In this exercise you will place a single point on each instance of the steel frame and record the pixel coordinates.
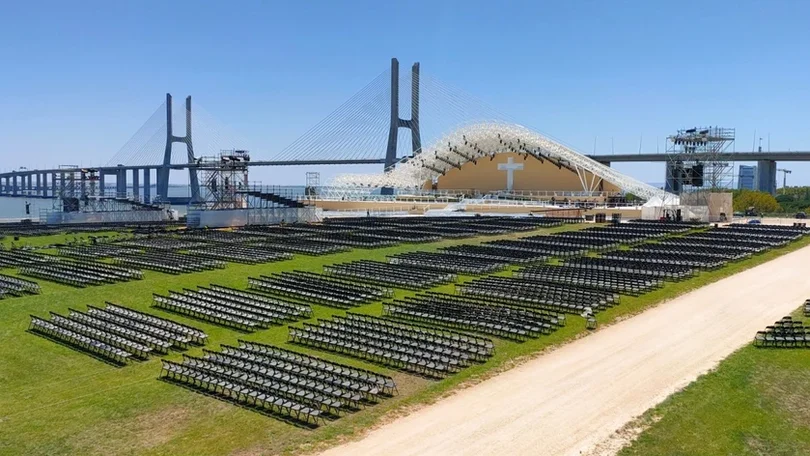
(485, 140)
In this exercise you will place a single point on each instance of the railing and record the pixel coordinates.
(559, 205)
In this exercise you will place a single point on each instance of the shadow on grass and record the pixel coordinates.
(303, 424)
(97, 356)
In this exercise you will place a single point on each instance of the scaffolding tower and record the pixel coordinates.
(224, 181)
(699, 173)
(696, 162)
(313, 184)
(77, 188)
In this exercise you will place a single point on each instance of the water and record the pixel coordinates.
(14, 208)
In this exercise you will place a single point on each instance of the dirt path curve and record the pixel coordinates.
(573, 398)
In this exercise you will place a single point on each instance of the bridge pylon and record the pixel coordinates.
(397, 122)
(163, 172)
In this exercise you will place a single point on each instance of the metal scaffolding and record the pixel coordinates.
(224, 181)
(694, 160)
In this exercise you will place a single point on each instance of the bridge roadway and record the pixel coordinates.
(607, 159)
(727, 156)
(35, 182)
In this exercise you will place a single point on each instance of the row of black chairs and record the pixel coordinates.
(538, 295)
(97, 251)
(423, 350)
(319, 288)
(654, 269)
(711, 251)
(116, 333)
(17, 257)
(792, 232)
(81, 274)
(357, 240)
(402, 235)
(165, 242)
(785, 333)
(691, 260)
(448, 262)
(277, 231)
(613, 281)
(179, 334)
(470, 314)
(219, 236)
(239, 389)
(301, 245)
(70, 337)
(234, 308)
(389, 274)
(15, 286)
(282, 381)
(496, 253)
(550, 248)
(240, 254)
(371, 385)
(169, 262)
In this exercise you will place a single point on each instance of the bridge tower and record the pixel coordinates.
(163, 172)
(397, 122)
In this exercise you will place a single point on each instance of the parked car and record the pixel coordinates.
(754, 222)
(801, 215)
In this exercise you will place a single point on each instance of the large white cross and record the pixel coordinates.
(510, 167)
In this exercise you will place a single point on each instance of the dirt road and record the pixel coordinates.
(573, 398)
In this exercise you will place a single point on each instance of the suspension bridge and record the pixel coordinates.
(367, 129)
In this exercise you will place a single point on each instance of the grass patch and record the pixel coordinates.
(55, 401)
(756, 402)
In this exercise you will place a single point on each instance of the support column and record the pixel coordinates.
(121, 183)
(29, 184)
(135, 183)
(147, 186)
(396, 122)
(766, 176)
(83, 183)
(53, 185)
(93, 185)
(102, 188)
(39, 184)
(14, 188)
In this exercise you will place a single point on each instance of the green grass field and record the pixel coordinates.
(757, 402)
(54, 400)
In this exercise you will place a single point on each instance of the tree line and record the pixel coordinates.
(790, 200)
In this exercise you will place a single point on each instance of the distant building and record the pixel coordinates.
(747, 179)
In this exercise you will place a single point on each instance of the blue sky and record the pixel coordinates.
(79, 78)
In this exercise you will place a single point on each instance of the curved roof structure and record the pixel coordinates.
(484, 140)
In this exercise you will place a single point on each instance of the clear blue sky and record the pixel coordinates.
(79, 78)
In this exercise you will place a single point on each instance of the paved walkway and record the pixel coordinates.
(569, 400)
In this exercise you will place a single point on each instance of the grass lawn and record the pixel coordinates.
(757, 402)
(54, 400)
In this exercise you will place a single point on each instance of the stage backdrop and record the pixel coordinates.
(528, 174)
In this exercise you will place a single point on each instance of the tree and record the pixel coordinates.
(760, 201)
(782, 199)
